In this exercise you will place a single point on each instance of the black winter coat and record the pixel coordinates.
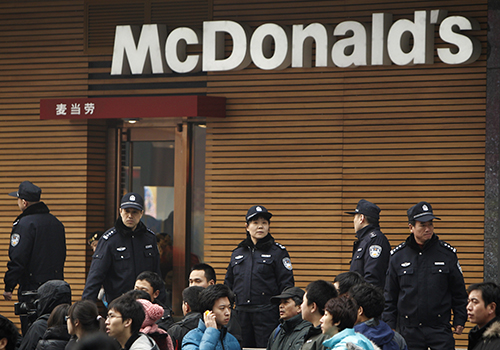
(424, 284)
(258, 272)
(55, 338)
(37, 249)
(486, 338)
(120, 256)
(370, 256)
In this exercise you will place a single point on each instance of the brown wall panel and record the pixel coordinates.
(309, 143)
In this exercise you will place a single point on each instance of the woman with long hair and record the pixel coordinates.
(83, 320)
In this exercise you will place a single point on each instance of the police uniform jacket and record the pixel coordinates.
(424, 285)
(257, 272)
(37, 249)
(371, 254)
(120, 256)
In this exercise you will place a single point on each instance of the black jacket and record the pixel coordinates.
(370, 255)
(121, 255)
(55, 338)
(486, 338)
(37, 249)
(179, 329)
(424, 285)
(290, 334)
(257, 272)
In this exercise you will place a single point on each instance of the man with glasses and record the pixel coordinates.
(124, 320)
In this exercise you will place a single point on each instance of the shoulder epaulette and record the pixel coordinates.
(373, 234)
(109, 233)
(449, 247)
(399, 247)
(150, 231)
(279, 245)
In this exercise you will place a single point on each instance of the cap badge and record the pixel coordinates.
(258, 209)
(425, 207)
(132, 198)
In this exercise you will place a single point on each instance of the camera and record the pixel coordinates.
(27, 307)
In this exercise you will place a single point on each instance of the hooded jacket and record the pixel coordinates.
(381, 334)
(50, 294)
(486, 338)
(290, 334)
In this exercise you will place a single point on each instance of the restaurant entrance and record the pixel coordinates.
(166, 164)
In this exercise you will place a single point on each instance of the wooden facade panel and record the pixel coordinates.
(392, 135)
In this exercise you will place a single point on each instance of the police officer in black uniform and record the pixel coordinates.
(37, 246)
(424, 283)
(259, 269)
(123, 252)
(371, 251)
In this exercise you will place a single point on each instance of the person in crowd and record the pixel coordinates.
(424, 284)
(50, 294)
(152, 283)
(211, 333)
(259, 268)
(482, 310)
(123, 322)
(9, 334)
(97, 341)
(202, 275)
(123, 252)
(346, 280)
(83, 320)
(371, 251)
(153, 312)
(292, 330)
(313, 308)
(370, 300)
(37, 249)
(341, 313)
(56, 336)
(191, 310)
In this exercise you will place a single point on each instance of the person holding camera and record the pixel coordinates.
(49, 295)
(37, 246)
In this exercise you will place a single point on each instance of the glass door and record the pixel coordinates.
(167, 166)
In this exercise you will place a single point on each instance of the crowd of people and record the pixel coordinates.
(396, 299)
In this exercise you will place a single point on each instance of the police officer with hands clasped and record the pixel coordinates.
(372, 249)
(260, 268)
(123, 252)
(424, 283)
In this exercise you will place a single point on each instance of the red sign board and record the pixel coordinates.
(133, 107)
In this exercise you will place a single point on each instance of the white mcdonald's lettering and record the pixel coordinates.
(272, 46)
